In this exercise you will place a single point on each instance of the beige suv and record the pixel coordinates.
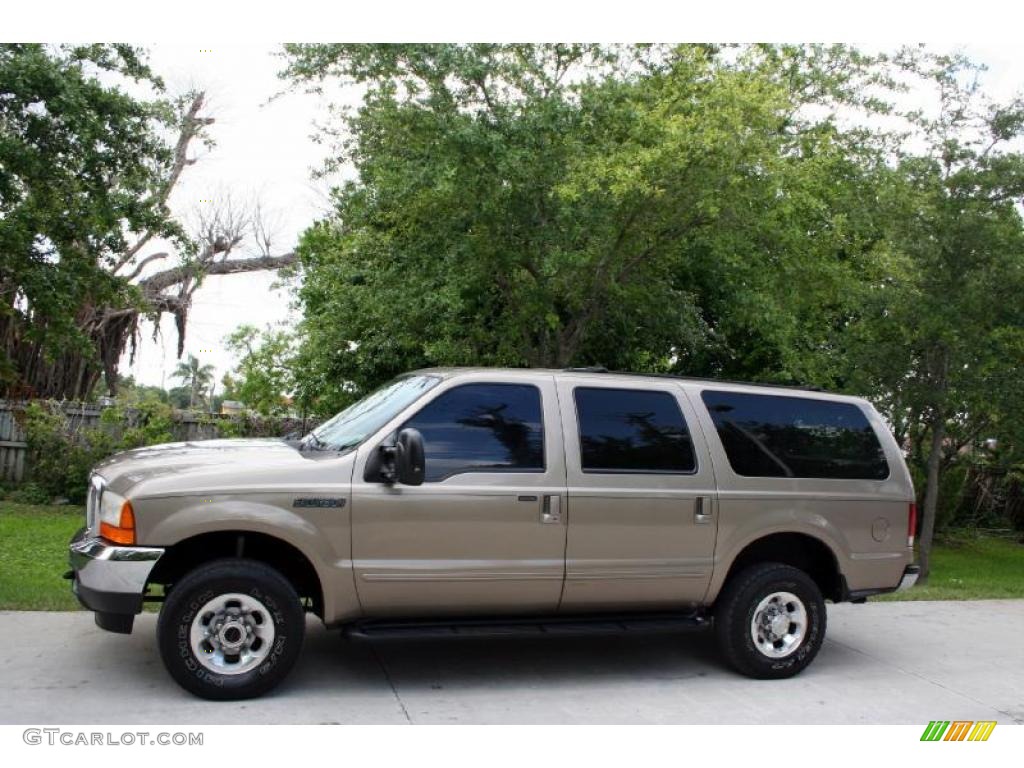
(466, 501)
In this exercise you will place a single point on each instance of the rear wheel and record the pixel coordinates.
(231, 629)
(770, 621)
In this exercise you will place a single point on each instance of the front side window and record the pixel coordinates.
(482, 428)
(629, 430)
(778, 436)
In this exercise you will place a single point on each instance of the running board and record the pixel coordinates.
(530, 626)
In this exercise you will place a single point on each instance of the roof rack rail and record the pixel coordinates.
(602, 369)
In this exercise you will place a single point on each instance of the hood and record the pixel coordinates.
(200, 465)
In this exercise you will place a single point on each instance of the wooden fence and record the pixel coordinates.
(186, 426)
(12, 445)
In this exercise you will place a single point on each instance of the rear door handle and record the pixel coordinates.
(551, 509)
(702, 510)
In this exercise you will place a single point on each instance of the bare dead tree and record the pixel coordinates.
(227, 238)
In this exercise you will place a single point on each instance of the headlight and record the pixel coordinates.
(117, 519)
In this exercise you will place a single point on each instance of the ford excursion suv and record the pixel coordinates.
(466, 501)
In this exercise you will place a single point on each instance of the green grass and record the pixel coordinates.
(34, 542)
(34, 556)
(971, 567)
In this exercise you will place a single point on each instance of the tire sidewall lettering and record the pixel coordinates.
(182, 637)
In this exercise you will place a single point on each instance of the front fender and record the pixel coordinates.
(325, 544)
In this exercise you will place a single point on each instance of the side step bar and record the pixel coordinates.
(514, 627)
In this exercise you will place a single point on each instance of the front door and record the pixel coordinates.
(486, 530)
(642, 496)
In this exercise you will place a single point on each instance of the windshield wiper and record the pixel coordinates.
(312, 442)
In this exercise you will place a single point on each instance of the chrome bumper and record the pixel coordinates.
(910, 574)
(110, 579)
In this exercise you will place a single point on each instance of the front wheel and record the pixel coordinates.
(770, 621)
(231, 629)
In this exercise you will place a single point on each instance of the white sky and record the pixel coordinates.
(265, 150)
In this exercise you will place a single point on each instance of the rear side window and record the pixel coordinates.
(777, 436)
(482, 428)
(628, 430)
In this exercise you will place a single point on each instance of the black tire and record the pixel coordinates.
(193, 591)
(735, 611)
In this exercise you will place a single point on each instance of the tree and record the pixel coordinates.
(131, 392)
(196, 377)
(84, 199)
(650, 208)
(940, 340)
(179, 397)
(265, 373)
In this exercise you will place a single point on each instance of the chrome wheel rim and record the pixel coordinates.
(779, 625)
(232, 633)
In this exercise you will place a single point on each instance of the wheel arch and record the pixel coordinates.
(185, 555)
(798, 549)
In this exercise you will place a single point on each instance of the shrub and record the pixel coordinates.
(30, 493)
(62, 451)
(60, 454)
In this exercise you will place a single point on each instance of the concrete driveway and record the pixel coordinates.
(900, 663)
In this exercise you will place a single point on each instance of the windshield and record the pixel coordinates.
(366, 416)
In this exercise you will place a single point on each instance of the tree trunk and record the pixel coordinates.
(931, 494)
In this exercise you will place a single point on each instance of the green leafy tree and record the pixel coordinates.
(264, 375)
(940, 339)
(650, 208)
(179, 397)
(196, 376)
(87, 171)
(78, 157)
(131, 392)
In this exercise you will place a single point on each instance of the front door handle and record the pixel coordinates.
(551, 509)
(702, 510)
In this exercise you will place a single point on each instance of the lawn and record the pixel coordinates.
(34, 556)
(971, 567)
(34, 539)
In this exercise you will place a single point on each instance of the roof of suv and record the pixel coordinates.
(604, 374)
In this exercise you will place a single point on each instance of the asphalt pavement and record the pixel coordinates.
(897, 663)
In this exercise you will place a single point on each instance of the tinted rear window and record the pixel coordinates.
(777, 436)
(628, 430)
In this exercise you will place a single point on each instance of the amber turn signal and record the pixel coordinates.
(124, 531)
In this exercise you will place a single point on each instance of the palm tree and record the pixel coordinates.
(195, 376)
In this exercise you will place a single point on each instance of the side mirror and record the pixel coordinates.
(400, 462)
(410, 462)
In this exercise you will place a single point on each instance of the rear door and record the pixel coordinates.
(485, 533)
(641, 495)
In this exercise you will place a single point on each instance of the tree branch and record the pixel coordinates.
(170, 277)
(142, 264)
(191, 125)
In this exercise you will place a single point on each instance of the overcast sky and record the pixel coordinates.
(264, 149)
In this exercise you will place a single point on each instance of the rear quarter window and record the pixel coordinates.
(780, 436)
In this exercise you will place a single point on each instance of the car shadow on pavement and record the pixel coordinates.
(429, 663)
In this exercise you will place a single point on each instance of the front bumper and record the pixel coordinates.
(110, 579)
